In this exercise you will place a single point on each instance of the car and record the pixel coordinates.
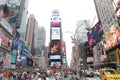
(109, 74)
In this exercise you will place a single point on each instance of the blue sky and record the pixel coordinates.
(70, 12)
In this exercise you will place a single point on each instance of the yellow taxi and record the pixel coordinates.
(109, 74)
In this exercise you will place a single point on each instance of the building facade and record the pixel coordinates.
(39, 40)
(30, 32)
(108, 48)
(23, 24)
(106, 12)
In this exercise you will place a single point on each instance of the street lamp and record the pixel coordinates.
(75, 40)
(74, 34)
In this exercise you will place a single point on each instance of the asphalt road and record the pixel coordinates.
(90, 78)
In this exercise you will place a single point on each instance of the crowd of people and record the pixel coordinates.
(38, 74)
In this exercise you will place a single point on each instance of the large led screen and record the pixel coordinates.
(112, 36)
(63, 48)
(64, 59)
(55, 33)
(55, 24)
(116, 4)
(55, 18)
(55, 57)
(95, 34)
(55, 64)
(55, 47)
(11, 11)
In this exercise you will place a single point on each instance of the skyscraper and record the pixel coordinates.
(39, 39)
(23, 24)
(30, 32)
(106, 12)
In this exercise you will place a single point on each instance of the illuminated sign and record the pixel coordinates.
(55, 24)
(55, 13)
(55, 64)
(55, 47)
(112, 37)
(55, 56)
(55, 33)
(55, 18)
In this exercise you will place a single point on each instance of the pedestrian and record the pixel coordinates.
(52, 75)
(73, 76)
(24, 76)
(66, 77)
(80, 72)
(34, 76)
(1, 75)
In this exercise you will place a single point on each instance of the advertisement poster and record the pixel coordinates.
(55, 24)
(7, 62)
(55, 33)
(116, 4)
(10, 11)
(55, 57)
(55, 47)
(13, 57)
(95, 34)
(55, 64)
(64, 59)
(4, 39)
(112, 36)
(63, 48)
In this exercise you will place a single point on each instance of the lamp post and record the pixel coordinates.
(75, 41)
(80, 41)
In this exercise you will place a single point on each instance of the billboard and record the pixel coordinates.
(55, 23)
(13, 56)
(116, 4)
(5, 25)
(55, 56)
(55, 12)
(56, 64)
(10, 11)
(55, 47)
(63, 48)
(111, 37)
(4, 39)
(64, 59)
(55, 18)
(55, 33)
(95, 34)
(7, 61)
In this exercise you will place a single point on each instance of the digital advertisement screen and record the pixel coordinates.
(55, 64)
(95, 34)
(55, 24)
(55, 56)
(11, 13)
(116, 4)
(64, 59)
(111, 37)
(55, 18)
(55, 33)
(63, 48)
(55, 47)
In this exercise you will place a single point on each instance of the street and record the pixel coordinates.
(90, 78)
